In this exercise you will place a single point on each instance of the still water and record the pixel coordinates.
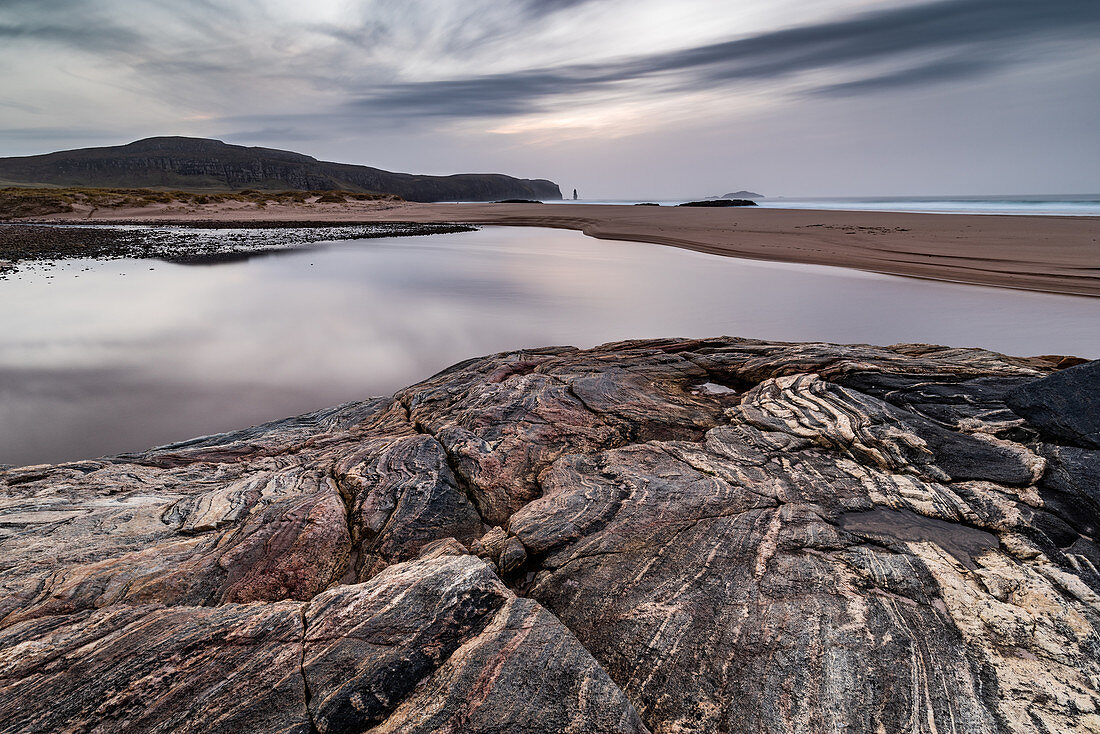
(104, 357)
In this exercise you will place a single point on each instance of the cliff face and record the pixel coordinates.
(196, 163)
(665, 536)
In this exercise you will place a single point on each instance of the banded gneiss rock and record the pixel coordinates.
(666, 535)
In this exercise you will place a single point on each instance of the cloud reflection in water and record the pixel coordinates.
(121, 357)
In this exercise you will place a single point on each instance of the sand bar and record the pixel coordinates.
(1040, 253)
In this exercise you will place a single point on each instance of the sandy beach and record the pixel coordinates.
(1039, 253)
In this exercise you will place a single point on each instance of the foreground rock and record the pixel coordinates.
(664, 536)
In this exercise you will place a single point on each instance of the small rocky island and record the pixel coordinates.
(714, 535)
(719, 203)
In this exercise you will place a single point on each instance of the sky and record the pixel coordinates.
(618, 98)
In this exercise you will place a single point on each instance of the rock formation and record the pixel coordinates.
(202, 164)
(719, 202)
(666, 536)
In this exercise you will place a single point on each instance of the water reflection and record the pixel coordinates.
(131, 353)
(221, 258)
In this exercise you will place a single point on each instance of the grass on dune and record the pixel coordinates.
(17, 202)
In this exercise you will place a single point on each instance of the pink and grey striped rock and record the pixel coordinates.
(667, 536)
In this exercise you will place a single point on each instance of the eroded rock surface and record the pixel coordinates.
(1066, 406)
(667, 536)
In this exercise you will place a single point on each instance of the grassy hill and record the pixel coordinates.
(200, 164)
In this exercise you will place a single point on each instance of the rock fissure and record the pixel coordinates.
(347, 574)
(468, 488)
(306, 694)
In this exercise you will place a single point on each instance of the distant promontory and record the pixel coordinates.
(211, 165)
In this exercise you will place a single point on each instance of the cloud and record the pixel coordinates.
(486, 96)
(272, 133)
(539, 8)
(948, 40)
(90, 36)
(32, 109)
(934, 72)
(435, 85)
(378, 62)
(57, 134)
(66, 23)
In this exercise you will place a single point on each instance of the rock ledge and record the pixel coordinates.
(666, 536)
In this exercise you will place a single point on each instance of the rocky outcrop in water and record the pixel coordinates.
(204, 164)
(720, 202)
(664, 536)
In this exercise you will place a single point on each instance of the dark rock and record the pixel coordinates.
(977, 404)
(962, 542)
(490, 545)
(402, 496)
(503, 420)
(524, 673)
(124, 668)
(187, 245)
(687, 535)
(443, 645)
(720, 202)
(1071, 486)
(512, 556)
(444, 547)
(1065, 405)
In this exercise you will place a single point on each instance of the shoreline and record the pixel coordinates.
(47, 243)
(1051, 254)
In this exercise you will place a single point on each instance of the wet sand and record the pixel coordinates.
(1040, 253)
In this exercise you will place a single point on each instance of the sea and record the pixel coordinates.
(1061, 205)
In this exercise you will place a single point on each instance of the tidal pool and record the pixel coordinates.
(104, 357)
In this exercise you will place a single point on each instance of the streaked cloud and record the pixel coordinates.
(526, 74)
(929, 43)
